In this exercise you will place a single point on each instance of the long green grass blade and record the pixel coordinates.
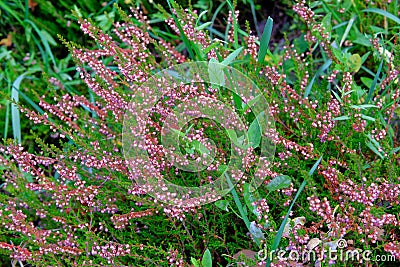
(264, 42)
(33, 104)
(235, 25)
(15, 115)
(26, 9)
(44, 41)
(278, 236)
(319, 72)
(6, 7)
(253, 12)
(240, 208)
(231, 57)
(374, 82)
(213, 19)
(328, 10)
(346, 32)
(383, 13)
(181, 32)
(6, 120)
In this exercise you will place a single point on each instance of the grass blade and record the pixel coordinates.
(240, 208)
(44, 41)
(213, 19)
(319, 72)
(15, 116)
(278, 237)
(231, 57)
(26, 9)
(6, 7)
(33, 104)
(253, 11)
(346, 32)
(6, 120)
(235, 25)
(264, 42)
(383, 13)
(15, 113)
(181, 32)
(373, 85)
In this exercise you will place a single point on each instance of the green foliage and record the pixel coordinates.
(333, 90)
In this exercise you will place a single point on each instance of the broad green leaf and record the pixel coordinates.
(359, 91)
(181, 134)
(28, 177)
(378, 29)
(200, 147)
(210, 47)
(341, 118)
(222, 168)
(361, 39)
(326, 22)
(364, 57)
(254, 133)
(233, 136)
(222, 204)
(216, 72)
(374, 146)
(337, 52)
(250, 196)
(279, 182)
(251, 102)
(48, 37)
(366, 81)
(355, 62)
(238, 141)
(78, 12)
(229, 59)
(194, 262)
(206, 261)
(238, 101)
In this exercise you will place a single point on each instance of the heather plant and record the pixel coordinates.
(29, 48)
(334, 182)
